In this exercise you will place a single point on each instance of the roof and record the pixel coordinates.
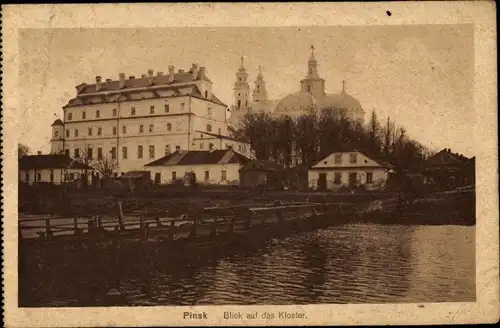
(136, 175)
(364, 152)
(446, 157)
(57, 122)
(52, 161)
(262, 165)
(200, 157)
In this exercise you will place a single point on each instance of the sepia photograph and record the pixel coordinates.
(285, 165)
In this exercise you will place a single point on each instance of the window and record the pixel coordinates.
(369, 177)
(223, 175)
(209, 112)
(90, 154)
(90, 131)
(167, 108)
(174, 175)
(352, 158)
(169, 127)
(124, 152)
(71, 176)
(182, 106)
(141, 128)
(77, 153)
(157, 177)
(209, 128)
(114, 130)
(308, 88)
(338, 178)
(151, 109)
(114, 111)
(338, 158)
(132, 111)
(51, 175)
(56, 134)
(67, 133)
(66, 152)
(239, 103)
(99, 153)
(167, 149)
(124, 129)
(207, 175)
(76, 133)
(39, 177)
(201, 145)
(97, 113)
(84, 115)
(177, 148)
(99, 131)
(151, 127)
(113, 153)
(70, 116)
(139, 151)
(151, 151)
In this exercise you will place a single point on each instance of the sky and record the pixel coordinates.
(421, 76)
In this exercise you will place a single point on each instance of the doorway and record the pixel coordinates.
(352, 179)
(322, 181)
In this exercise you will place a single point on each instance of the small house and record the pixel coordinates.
(53, 168)
(349, 169)
(263, 174)
(450, 170)
(210, 167)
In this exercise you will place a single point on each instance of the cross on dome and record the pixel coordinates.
(343, 85)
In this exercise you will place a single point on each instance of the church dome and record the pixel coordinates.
(300, 103)
(57, 122)
(341, 100)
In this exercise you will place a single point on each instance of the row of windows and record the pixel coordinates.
(223, 176)
(352, 176)
(124, 130)
(99, 155)
(353, 158)
(152, 110)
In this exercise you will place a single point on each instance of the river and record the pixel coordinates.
(357, 263)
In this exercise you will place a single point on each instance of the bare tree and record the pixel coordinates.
(22, 150)
(105, 166)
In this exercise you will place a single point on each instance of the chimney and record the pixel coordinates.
(181, 71)
(159, 73)
(98, 80)
(202, 74)
(39, 152)
(108, 81)
(143, 76)
(171, 73)
(194, 71)
(177, 148)
(131, 77)
(122, 80)
(150, 76)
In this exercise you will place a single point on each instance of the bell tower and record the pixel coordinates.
(313, 84)
(241, 89)
(57, 140)
(259, 92)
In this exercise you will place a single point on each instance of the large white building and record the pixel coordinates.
(311, 99)
(136, 120)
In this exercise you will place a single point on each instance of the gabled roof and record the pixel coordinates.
(364, 152)
(446, 157)
(262, 165)
(52, 161)
(199, 157)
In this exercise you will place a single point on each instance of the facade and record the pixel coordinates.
(450, 170)
(210, 167)
(348, 169)
(261, 173)
(311, 99)
(54, 168)
(134, 121)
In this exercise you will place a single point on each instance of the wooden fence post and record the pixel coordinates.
(48, 231)
(171, 231)
(120, 216)
(158, 223)
(213, 230)
(75, 224)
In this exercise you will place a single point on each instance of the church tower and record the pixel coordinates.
(259, 92)
(241, 89)
(313, 84)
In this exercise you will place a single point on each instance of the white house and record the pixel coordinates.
(136, 120)
(212, 167)
(349, 169)
(54, 168)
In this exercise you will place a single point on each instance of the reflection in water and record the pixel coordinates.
(357, 263)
